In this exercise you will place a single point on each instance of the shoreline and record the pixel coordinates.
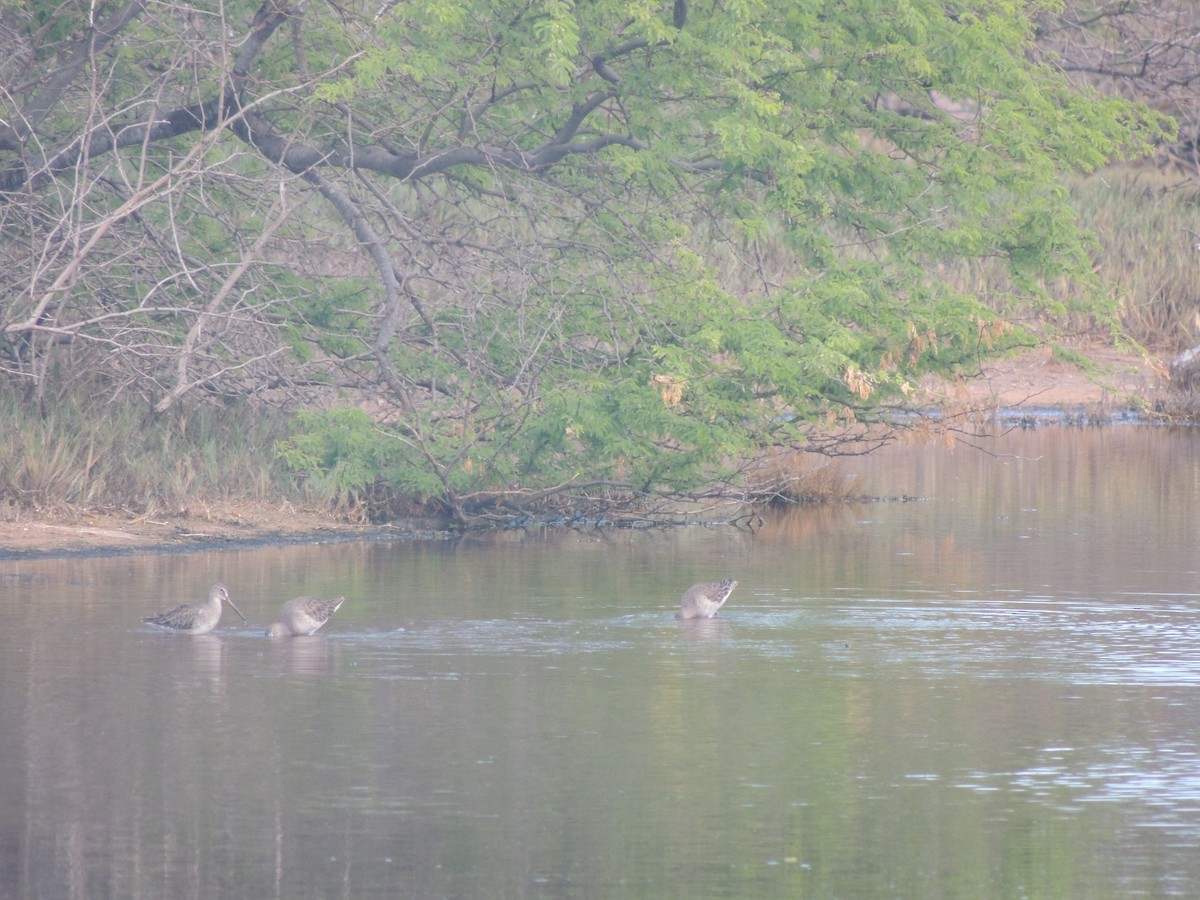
(1034, 389)
(100, 535)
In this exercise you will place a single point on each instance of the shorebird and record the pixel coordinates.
(701, 601)
(303, 615)
(196, 618)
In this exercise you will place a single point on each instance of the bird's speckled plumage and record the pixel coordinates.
(196, 618)
(701, 601)
(303, 615)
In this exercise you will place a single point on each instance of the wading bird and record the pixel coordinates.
(303, 615)
(196, 618)
(701, 601)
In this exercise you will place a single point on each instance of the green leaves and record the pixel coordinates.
(546, 241)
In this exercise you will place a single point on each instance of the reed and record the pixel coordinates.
(789, 477)
(1147, 226)
(78, 455)
(1147, 221)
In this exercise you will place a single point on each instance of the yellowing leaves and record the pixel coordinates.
(990, 331)
(670, 387)
(919, 343)
(858, 382)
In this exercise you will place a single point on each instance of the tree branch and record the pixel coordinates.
(101, 139)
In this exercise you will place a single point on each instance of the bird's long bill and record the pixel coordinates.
(235, 609)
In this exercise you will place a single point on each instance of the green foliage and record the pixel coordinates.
(341, 442)
(559, 242)
(351, 456)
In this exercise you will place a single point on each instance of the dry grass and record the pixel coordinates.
(1148, 225)
(116, 457)
(788, 477)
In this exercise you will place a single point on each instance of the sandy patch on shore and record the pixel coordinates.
(231, 525)
(1119, 378)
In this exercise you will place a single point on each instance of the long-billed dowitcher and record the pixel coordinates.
(303, 615)
(701, 601)
(196, 618)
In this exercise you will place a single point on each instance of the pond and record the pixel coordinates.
(988, 691)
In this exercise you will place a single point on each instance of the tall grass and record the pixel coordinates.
(77, 455)
(1148, 224)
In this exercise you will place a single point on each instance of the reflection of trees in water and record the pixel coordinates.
(921, 663)
(127, 726)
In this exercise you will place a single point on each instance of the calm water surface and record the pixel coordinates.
(992, 691)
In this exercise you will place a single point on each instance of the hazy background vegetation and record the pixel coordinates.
(482, 258)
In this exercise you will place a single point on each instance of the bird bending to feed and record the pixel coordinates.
(196, 618)
(701, 601)
(303, 615)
